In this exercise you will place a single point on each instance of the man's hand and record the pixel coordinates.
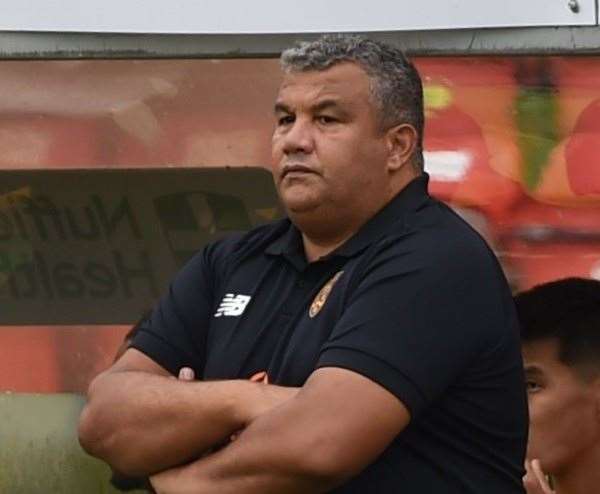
(169, 481)
(266, 399)
(270, 397)
(535, 481)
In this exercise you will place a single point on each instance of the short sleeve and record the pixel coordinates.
(174, 335)
(415, 322)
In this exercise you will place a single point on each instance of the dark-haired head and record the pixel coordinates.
(396, 88)
(567, 311)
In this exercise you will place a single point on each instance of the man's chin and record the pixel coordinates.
(300, 206)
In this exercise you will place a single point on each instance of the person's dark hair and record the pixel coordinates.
(396, 89)
(569, 311)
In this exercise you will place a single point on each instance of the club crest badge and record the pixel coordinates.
(322, 296)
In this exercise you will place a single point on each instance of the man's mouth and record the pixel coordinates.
(291, 170)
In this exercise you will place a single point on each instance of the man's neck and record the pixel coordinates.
(582, 478)
(324, 232)
(325, 229)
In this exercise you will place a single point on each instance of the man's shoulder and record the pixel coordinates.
(435, 249)
(435, 233)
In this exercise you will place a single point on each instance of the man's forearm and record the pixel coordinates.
(275, 455)
(228, 472)
(141, 423)
(312, 443)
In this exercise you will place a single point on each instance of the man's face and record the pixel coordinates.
(328, 151)
(564, 423)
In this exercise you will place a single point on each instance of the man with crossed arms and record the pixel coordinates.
(383, 321)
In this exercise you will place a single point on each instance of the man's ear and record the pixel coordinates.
(401, 141)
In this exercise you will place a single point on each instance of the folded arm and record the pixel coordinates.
(141, 421)
(338, 423)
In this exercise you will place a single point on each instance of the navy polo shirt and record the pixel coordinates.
(415, 301)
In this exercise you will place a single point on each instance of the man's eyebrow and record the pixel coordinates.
(325, 104)
(320, 106)
(533, 370)
(281, 108)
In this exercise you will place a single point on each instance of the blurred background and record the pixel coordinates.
(113, 172)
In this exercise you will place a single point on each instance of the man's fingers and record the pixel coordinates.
(541, 476)
(535, 480)
(260, 377)
(186, 374)
(530, 481)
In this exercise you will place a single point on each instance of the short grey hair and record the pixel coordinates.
(396, 89)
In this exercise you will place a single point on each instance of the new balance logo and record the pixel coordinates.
(232, 305)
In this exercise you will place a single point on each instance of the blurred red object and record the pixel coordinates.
(541, 242)
(534, 264)
(51, 142)
(54, 359)
(470, 142)
(572, 177)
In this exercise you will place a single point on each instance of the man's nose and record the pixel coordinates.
(299, 138)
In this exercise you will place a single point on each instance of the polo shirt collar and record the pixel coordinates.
(407, 200)
(290, 242)
(410, 198)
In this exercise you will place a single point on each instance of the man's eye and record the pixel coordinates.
(326, 119)
(285, 120)
(533, 386)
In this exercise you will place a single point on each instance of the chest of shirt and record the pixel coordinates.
(271, 317)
